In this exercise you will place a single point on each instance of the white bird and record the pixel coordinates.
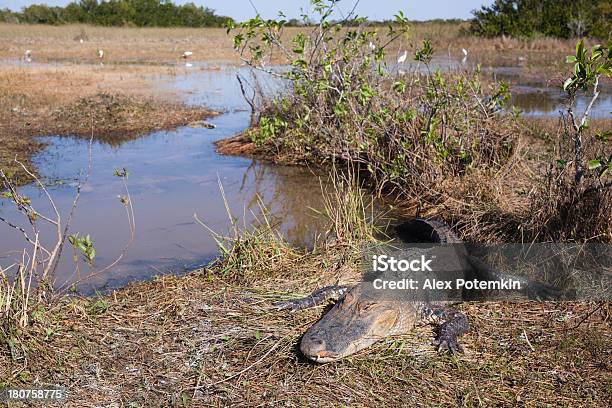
(402, 57)
(372, 46)
(81, 40)
(100, 54)
(465, 55)
(187, 54)
(28, 56)
(465, 52)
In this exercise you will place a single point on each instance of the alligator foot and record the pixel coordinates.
(316, 298)
(448, 343)
(454, 325)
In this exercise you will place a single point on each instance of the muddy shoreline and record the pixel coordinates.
(237, 145)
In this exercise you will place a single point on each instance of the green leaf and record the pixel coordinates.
(399, 86)
(580, 50)
(238, 41)
(570, 59)
(593, 164)
(604, 137)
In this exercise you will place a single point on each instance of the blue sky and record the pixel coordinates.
(373, 9)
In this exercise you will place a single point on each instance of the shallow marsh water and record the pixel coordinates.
(534, 97)
(172, 176)
(175, 174)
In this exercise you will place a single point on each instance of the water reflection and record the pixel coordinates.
(173, 174)
(542, 102)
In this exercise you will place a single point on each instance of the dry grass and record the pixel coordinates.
(117, 102)
(540, 57)
(120, 45)
(518, 202)
(165, 45)
(203, 340)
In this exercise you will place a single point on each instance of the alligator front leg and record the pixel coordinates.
(452, 325)
(316, 298)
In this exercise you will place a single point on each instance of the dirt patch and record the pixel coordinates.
(115, 104)
(204, 340)
(238, 145)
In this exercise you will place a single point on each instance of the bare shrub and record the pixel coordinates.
(30, 282)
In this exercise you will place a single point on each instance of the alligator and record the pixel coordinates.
(361, 317)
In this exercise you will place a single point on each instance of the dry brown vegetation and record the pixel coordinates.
(211, 339)
(159, 46)
(166, 45)
(522, 201)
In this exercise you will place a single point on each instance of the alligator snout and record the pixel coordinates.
(357, 321)
(315, 348)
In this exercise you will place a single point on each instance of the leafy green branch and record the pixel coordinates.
(84, 245)
(586, 74)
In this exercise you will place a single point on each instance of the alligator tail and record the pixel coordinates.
(423, 230)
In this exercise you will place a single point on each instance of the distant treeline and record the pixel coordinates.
(139, 13)
(518, 18)
(555, 18)
(152, 13)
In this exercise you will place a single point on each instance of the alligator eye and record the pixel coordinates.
(367, 306)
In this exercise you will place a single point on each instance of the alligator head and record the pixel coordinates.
(357, 321)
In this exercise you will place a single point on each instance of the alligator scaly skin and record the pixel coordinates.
(359, 319)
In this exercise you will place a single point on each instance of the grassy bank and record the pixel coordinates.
(212, 338)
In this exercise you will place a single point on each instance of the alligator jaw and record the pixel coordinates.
(323, 358)
(314, 349)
